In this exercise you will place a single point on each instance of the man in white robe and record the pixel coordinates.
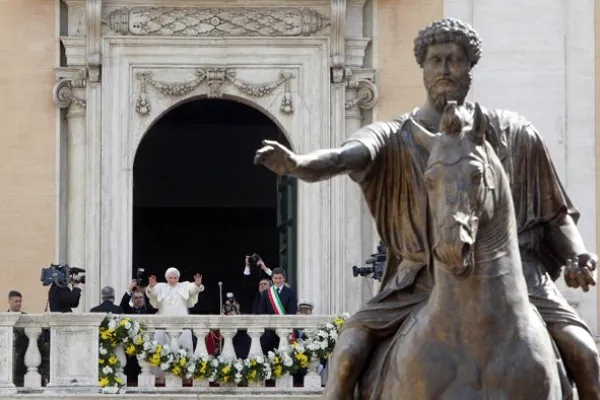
(173, 299)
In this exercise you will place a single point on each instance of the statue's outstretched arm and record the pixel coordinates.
(353, 157)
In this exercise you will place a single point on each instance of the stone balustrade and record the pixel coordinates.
(74, 353)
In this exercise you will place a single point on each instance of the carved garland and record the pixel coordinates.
(195, 21)
(215, 77)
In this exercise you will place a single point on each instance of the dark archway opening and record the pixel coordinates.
(201, 205)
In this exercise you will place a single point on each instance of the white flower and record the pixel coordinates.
(146, 338)
(102, 350)
(112, 324)
(107, 370)
(271, 355)
(164, 366)
(127, 325)
(147, 345)
(334, 335)
(238, 365)
(260, 360)
(214, 363)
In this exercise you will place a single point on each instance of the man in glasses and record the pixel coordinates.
(134, 301)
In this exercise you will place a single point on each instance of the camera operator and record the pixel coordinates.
(64, 297)
(255, 270)
(135, 301)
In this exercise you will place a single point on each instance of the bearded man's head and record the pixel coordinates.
(447, 50)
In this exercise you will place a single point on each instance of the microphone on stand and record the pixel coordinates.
(221, 298)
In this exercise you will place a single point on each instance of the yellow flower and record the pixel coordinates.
(176, 370)
(339, 322)
(226, 369)
(124, 322)
(253, 362)
(118, 380)
(106, 335)
(130, 349)
(276, 360)
(103, 382)
(139, 341)
(100, 361)
(252, 375)
(225, 379)
(182, 361)
(154, 360)
(113, 359)
(203, 368)
(277, 371)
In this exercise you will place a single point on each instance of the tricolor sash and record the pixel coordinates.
(275, 301)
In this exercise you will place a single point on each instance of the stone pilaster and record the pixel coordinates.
(7, 322)
(69, 94)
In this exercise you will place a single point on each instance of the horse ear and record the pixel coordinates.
(480, 124)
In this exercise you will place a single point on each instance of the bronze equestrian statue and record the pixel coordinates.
(388, 160)
(478, 336)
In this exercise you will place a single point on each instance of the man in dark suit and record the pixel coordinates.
(135, 301)
(108, 302)
(61, 298)
(277, 300)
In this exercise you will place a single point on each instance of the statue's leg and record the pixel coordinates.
(352, 349)
(580, 356)
(572, 336)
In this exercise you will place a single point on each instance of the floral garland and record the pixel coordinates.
(120, 330)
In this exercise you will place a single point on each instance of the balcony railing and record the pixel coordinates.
(73, 355)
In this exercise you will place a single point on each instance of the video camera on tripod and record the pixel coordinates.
(61, 275)
(376, 262)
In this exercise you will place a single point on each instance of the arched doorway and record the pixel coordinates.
(201, 205)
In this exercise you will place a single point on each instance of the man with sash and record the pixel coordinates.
(279, 299)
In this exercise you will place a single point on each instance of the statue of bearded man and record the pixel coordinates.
(388, 159)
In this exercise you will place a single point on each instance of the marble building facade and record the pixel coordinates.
(101, 72)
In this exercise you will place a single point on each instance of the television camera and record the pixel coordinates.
(376, 264)
(61, 275)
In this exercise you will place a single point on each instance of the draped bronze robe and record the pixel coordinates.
(394, 191)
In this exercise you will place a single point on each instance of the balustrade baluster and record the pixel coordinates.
(33, 359)
(228, 350)
(200, 351)
(172, 381)
(285, 381)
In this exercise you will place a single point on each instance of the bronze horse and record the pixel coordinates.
(478, 336)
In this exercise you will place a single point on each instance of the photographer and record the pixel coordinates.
(254, 261)
(62, 298)
(135, 301)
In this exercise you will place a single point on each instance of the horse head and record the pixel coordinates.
(460, 180)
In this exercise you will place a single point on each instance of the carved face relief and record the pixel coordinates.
(446, 74)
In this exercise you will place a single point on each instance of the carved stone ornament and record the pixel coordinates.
(69, 78)
(338, 40)
(366, 91)
(194, 21)
(215, 77)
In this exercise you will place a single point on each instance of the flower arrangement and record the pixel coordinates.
(121, 330)
(115, 331)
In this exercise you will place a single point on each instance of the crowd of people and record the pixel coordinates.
(175, 298)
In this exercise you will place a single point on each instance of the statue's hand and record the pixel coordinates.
(581, 271)
(275, 157)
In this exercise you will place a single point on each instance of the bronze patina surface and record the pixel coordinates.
(389, 161)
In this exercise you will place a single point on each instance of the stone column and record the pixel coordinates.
(7, 323)
(74, 353)
(69, 94)
(361, 94)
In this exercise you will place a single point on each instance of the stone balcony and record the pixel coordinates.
(73, 354)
